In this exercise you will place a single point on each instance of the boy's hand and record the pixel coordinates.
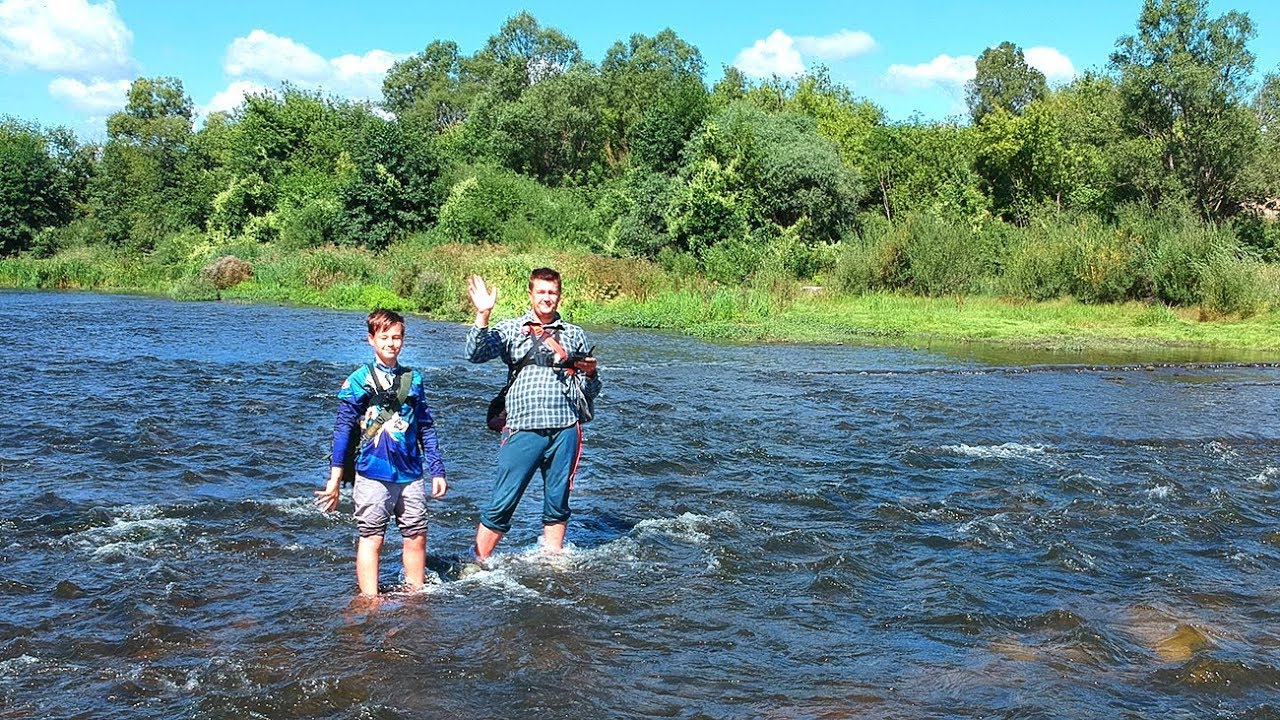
(327, 499)
(482, 296)
(439, 486)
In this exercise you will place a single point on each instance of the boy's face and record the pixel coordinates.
(386, 344)
(544, 297)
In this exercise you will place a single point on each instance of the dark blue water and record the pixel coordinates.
(760, 532)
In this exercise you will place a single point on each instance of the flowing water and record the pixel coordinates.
(759, 532)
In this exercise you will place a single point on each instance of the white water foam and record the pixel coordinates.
(127, 538)
(1159, 492)
(690, 527)
(1005, 451)
(1268, 476)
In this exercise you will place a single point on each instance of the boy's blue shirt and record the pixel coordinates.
(407, 440)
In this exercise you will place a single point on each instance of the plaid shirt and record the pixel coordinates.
(542, 396)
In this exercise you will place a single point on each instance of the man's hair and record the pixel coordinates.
(381, 319)
(544, 274)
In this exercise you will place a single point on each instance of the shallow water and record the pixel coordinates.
(760, 532)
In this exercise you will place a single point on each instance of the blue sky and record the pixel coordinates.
(69, 62)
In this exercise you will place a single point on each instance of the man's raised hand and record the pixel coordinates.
(482, 297)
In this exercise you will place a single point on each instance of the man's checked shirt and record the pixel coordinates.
(542, 397)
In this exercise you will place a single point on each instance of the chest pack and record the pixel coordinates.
(388, 400)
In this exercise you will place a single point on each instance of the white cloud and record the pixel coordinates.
(943, 70)
(774, 55)
(99, 96)
(230, 98)
(262, 56)
(838, 46)
(1055, 66)
(781, 54)
(362, 75)
(72, 37)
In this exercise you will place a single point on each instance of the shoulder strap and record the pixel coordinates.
(404, 385)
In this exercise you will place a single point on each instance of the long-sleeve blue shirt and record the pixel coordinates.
(406, 441)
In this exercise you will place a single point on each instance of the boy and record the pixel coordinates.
(383, 418)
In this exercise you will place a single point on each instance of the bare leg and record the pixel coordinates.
(486, 541)
(367, 551)
(553, 537)
(414, 557)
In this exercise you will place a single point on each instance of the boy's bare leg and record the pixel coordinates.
(553, 537)
(414, 558)
(486, 541)
(367, 551)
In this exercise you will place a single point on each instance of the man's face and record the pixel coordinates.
(544, 297)
(387, 343)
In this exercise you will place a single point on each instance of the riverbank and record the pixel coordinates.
(609, 291)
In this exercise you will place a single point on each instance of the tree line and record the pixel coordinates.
(527, 143)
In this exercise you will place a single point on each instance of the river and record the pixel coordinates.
(790, 531)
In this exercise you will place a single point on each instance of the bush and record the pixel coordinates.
(194, 289)
(427, 289)
(502, 207)
(940, 254)
(873, 261)
(226, 272)
(1231, 287)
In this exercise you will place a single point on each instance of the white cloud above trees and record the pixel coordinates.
(784, 55)
(71, 37)
(97, 96)
(1055, 66)
(267, 58)
(943, 70)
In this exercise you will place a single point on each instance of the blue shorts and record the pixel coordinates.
(524, 452)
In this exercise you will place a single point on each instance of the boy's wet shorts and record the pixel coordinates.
(377, 501)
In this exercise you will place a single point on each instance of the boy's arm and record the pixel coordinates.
(344, 440)
(433, 460)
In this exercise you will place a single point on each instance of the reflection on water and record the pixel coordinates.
(789, 531)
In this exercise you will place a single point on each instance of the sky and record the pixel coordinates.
(70, 62)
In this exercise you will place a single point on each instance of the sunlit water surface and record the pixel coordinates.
(759, 532)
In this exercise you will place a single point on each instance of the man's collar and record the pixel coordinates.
(531, 319)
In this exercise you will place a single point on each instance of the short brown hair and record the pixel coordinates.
(544, 274)
(381, 319)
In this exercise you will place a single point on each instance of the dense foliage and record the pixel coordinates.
(1155, 178)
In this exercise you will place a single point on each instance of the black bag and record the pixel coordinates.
(496, 416)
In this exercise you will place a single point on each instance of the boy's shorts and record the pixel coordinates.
(376, 501)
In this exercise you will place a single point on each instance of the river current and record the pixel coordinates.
(759, 532)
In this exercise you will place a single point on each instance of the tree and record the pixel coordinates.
(1184, 78)
(553, 131)
(390, 186)
(435, 82)
(150, 182)
(521, 55)
(926, 168)
(1004, 81)
(640, 75)
(1022, 160)
(35, 192)
(846, 120)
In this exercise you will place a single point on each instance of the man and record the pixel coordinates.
(554, 377)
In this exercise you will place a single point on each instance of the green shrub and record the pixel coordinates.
(1231, 286)
(495, 206)
(941, 255)
(310, 225)
(196, 288)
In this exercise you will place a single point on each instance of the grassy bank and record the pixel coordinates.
(430, 279)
